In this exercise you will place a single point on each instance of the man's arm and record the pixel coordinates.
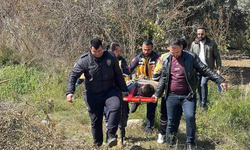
(158, 68)
(76, 72)
(205, 71)
(133, 64)
(125, 68)
(120, 82)
(217, 58)
(192, 47)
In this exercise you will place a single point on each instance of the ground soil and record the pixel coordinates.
(236, 68)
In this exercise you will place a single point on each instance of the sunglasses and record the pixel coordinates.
(200, 34)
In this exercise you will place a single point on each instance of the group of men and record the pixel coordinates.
(179, 73)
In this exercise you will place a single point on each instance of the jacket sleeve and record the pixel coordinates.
(75, 73)
(119, 80)
(158, 69)
(192, 47)
(133, 64)
(205, 71)
(216, 56)
(125, 68)
(163, 79)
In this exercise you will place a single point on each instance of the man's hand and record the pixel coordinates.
(69, 98)
(218, 71)
(155, 97)
(224, 86)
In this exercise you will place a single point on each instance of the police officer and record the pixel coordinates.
(145, 63)
(115, 49)
(101, 70)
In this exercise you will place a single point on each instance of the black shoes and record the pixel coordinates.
(134, 107)
(111, 140)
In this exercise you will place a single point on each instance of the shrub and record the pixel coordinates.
(7, 56)
(23, 80)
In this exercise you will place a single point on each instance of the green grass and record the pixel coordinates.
(225, 125)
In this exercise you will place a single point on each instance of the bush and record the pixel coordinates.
(227, 119)
(7, 56)
(23, 80)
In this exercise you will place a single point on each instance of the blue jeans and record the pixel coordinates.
(202, 90)
(175, 105)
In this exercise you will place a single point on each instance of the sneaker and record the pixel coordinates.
(133, 107)
(161, 138)
(111, 141)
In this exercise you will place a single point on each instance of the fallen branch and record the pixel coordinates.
(4, 81)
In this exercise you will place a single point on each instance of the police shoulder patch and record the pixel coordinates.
(108, 61)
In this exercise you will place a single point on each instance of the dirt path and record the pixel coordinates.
(236, 68)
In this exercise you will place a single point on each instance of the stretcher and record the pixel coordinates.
(138, 99)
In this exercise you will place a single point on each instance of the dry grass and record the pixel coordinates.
(20, 128)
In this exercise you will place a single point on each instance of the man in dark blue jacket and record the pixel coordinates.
(145, 63)
(102, 72)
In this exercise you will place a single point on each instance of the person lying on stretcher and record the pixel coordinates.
(140, 88)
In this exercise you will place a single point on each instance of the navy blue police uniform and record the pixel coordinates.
(101, 76)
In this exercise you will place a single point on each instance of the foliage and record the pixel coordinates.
(20, 130)
(228, 118)
(23, 80)
(8, 56)
(44, 31)
(225, 124)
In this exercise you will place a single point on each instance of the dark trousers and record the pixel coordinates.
(175, 105)
(164, 117)
(96, 104)
(124, 114)
(202, 91)
(150, 120)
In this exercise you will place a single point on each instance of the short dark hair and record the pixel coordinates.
(184, 43)
(148, 42)
(96, 43)
(201, 27)
(113, 46)
(175, 41)
(147, 90)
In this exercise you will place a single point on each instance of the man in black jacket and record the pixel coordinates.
(101, 70)
(179, 80)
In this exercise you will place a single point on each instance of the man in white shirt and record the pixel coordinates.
(207, 50)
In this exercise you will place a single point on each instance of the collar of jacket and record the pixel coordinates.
(152, 55)
(206, 42)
